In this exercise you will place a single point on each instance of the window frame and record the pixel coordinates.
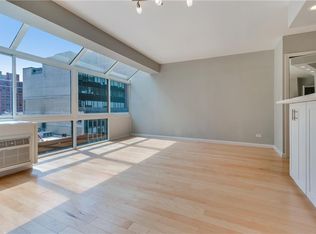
(74, 114)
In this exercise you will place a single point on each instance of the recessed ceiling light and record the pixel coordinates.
(312, 71)
(313, 8)
(158, 2)
(302, 66)
(307, 69)
(189, 3)
(139, 8)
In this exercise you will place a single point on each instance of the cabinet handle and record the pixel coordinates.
(292, 114)
(295, 116)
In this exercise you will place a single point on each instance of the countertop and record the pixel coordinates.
(306, 98)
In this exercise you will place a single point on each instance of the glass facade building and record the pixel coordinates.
(119, 94)
(93, 94)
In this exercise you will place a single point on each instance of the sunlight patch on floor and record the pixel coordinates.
(156, 143)
(59, 162)
(139, 154)
(24, 202)
(103, 149)
(86, 175)
(134, 140)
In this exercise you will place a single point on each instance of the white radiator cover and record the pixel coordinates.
(18, 146)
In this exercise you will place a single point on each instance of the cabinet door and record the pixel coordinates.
(311, 151)
(298, 144)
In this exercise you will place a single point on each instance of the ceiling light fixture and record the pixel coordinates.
(139, 8)
(189, 3)
(158, 2)
(313, 8)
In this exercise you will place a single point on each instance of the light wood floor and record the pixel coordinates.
(152, 186)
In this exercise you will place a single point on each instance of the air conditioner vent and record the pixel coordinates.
(14, 142)
(14, 152)
(18, 146)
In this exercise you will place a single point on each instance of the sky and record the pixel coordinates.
(43, 44)
(35, 42)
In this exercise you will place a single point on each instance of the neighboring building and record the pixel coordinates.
(93, 93)
(46, 90)
(6, 92)
(119, 97)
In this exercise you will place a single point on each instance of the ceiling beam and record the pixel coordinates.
(58, 15)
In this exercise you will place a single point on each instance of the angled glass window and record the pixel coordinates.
(92, 94)
(123, 71)
(8, 29)
(95, 61)
(46, 45)
(119, 97)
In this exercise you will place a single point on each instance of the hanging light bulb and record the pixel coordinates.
(139, 8)
(158, 2)
(189, 3)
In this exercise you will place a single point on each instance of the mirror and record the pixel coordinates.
(302, 75)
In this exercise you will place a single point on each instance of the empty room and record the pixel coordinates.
(157, 116)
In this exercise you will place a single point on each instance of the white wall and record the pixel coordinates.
(227, 98)
(119, 126)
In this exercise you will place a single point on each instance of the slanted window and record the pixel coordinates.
(94, 61)
(123, 71)
(8, 30)
(46, 45)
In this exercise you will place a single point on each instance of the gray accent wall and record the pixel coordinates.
(226, 98)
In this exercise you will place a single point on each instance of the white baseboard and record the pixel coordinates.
(278, 151)
(207, 141)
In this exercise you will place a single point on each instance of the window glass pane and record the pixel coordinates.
(53, 136)
(8, 29)
(46, 45)
(43, 89)
(119, 97)
(123, 71)
(95, 61)
(89, 131)
(93, 94)
(6, 89)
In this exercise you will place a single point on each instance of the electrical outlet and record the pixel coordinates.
(258, 135)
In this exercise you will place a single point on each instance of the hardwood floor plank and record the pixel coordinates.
(155, 186)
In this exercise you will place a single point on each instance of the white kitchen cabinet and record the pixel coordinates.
(311, 151)
(298, 157)
(302, 121)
